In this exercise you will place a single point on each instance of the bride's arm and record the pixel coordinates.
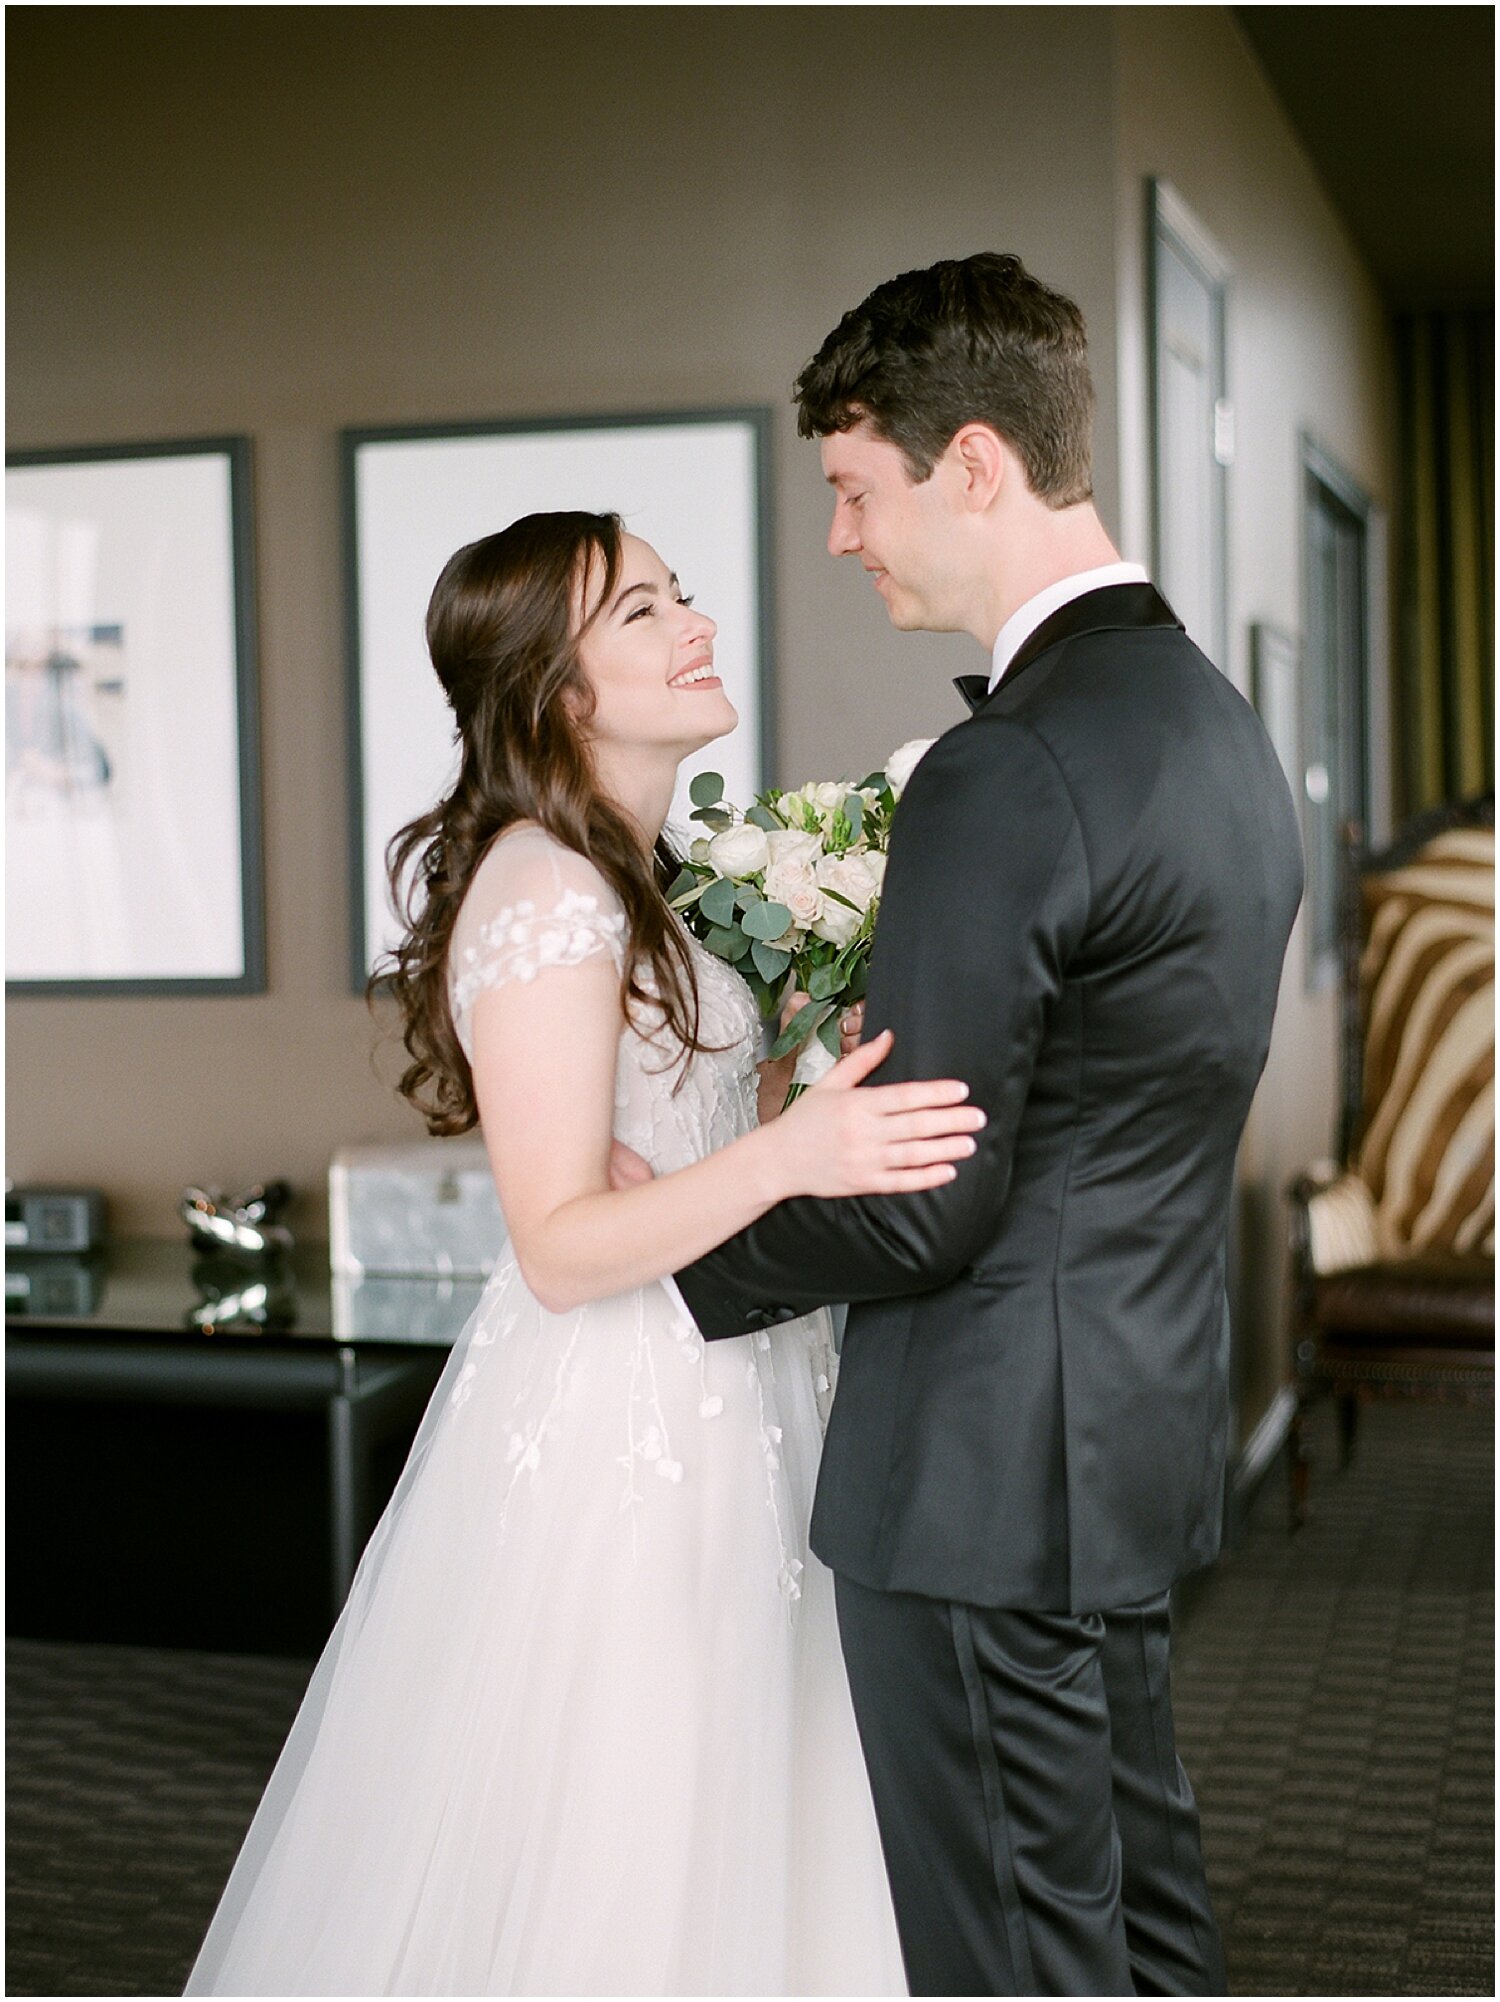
(544, 1076)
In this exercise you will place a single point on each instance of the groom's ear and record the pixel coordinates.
(980, 462)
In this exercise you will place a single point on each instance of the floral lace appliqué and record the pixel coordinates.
(518, 942)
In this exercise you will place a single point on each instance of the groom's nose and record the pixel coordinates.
(842, 538)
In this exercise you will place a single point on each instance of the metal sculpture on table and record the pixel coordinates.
(241, 1270)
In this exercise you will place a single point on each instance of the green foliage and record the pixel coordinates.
(706, 790)
(718, 902)
(800, 1029)
(765, 920)
(770, 963)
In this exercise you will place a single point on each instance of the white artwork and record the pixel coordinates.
(691, 486)
(131, 816)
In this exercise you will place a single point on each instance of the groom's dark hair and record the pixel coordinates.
(970, 340)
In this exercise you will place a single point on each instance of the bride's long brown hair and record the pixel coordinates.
(502, 635)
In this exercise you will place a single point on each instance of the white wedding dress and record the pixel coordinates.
(583, 1725)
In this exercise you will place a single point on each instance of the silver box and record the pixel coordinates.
(421, 1207)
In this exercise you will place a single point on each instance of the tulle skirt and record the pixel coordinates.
(583, 1725)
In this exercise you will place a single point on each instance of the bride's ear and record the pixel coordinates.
(576, 699)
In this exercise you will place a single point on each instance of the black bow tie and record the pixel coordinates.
(974, 688)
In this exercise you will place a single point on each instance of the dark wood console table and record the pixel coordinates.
(148, 1327)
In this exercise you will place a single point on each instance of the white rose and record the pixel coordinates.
(848, 876)
(797, 809)
(740, 851)
(795, 885)
(903, 762)
(827, 798)
(788, 845)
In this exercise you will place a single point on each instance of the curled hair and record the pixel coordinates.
(970, 340)
(504, 636)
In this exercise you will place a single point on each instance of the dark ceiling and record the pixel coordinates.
(1396, 109)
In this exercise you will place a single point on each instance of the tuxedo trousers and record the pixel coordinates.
(1039, 1831)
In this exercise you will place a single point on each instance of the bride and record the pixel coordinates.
(582, 1726)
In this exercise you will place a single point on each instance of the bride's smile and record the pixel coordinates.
(648, 655)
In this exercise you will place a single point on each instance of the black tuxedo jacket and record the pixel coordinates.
(1086, 907)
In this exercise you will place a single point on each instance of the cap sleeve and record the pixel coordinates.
(534, 906)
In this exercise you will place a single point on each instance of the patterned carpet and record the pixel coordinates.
(1335, 1703)
(1335, 1707)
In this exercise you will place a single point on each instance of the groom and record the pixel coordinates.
(1087, 903)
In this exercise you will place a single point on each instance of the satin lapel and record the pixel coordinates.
(1117, 608)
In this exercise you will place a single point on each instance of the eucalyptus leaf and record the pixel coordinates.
(706, 790)
(746, 895)
(772, 964)
(741, 945)
(723, 940)
(854, 812)
(713, 816)
(766, 921)
(797, 1031)
(717, 903)
(685, 880)
(763, 818)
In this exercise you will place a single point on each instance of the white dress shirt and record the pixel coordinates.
(1021, 624)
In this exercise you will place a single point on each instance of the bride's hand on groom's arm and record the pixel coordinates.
(894, 1139)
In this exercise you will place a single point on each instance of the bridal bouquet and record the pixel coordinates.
(787, 891)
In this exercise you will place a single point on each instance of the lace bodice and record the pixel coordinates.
(536, 907)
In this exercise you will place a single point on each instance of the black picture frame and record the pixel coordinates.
(755, 694)
(237, 613)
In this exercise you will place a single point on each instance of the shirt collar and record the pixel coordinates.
(1021, 624)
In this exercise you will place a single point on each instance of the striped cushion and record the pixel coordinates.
(1428, 988)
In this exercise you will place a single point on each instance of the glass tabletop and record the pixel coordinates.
(168, 1289)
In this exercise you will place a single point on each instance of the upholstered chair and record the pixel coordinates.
(1393, 1247)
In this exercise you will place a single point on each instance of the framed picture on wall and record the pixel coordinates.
(132, 785)
(693, 484)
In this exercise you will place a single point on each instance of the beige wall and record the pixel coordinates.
(285, 221)
(1308, 350)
